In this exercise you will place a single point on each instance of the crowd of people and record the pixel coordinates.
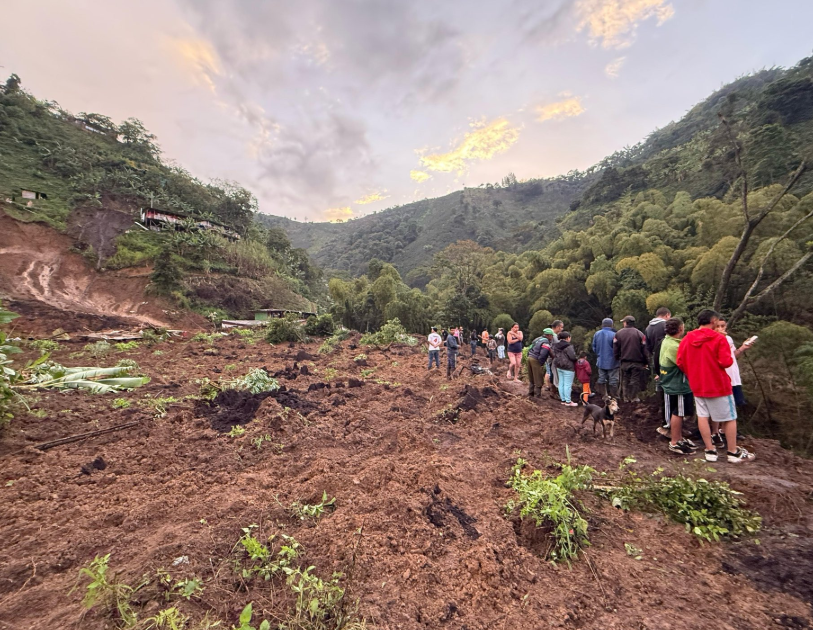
(695, 373)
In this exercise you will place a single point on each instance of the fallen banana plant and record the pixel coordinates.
(93, 379)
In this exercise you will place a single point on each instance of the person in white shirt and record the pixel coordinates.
(734, 371)
(434, 340)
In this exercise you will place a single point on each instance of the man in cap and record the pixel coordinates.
(629, 348)
(606, 362)
(537, 356)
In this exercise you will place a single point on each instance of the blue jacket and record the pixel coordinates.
(603, 347)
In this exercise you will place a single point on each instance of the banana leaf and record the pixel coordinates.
(102, 386)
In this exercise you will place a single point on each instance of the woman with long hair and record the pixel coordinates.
(514, 352)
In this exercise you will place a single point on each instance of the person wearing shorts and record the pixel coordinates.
(514, 353)
(703, 356)
(678, 401)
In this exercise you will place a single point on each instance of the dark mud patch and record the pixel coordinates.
(441, 512)
(232, 407)
(778, 565)
(289, 372)
(473, 397)
(304, 355)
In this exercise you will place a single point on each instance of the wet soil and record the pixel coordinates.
(419, 526)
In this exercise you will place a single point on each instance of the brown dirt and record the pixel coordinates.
(40, 273)
(419, 499)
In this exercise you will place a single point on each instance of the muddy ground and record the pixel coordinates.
(418, 466)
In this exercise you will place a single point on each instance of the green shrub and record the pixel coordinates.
(329, 345)
(550, 503)
(321, 326)
(44, 345)
(256, 381)
(391, 332)
(98, 348)
(128, 345)
(284, 329)
(504, 321)
(708, 509)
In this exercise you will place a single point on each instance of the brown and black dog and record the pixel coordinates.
(602, 415)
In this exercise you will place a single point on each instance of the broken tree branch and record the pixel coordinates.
(81, 436)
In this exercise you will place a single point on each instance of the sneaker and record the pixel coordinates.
(681, 448)
(664, 432)
(740, 456)
(691, 444)
(711, 456)
(571, 404)
(718, 440)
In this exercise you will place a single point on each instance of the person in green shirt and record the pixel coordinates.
(678, 398)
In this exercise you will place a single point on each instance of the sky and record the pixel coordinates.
(332, 109)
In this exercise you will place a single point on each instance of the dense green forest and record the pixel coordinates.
(771, 110)
(87, 162)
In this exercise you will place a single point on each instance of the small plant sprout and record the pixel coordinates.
(120, 403)
(167, 619)
(360, 357)
(315, 511)
(236, 431)
(258, 441)
(245, 621)
(633, 551)
(105, 590)
(189, 588)
(125, 346)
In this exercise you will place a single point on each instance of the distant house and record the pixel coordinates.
(158, 219)
(27, 196)
(264, 314)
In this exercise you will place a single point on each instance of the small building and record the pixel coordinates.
(31, 194)
(264, 314)
(158, 219)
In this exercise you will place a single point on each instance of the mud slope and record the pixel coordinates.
(418, 467)
(38, 268)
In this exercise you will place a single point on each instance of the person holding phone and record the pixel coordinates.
(734, 371)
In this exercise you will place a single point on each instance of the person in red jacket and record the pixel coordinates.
(583, 373)
(703, 357)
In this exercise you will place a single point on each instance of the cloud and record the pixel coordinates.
(419, 176)
(371, 198)
(614, 23)
(560, 110)
(198, 59)
(613, 68)
(486, 141)
(338, 215)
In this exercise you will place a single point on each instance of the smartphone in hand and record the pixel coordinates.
(750, 340)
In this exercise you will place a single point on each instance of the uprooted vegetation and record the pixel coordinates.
(362, 478)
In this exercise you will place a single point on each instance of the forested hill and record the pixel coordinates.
(513, 216)
(770, 113)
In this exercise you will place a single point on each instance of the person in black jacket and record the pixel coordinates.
(629, 347)
(451, 355)
(564, 358)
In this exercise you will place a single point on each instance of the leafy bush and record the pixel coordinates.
(391, 332)
(320, 326)
(256, 382)
(550, 503)
(98, 349)
(125, 346)
(709, 509)
(504, 321)
(284, 329)
(329, 345)
(44, 345)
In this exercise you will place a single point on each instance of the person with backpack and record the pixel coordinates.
(654, 334)
(678, 399)
(451, 354)
(564, 360)
(537, 357)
